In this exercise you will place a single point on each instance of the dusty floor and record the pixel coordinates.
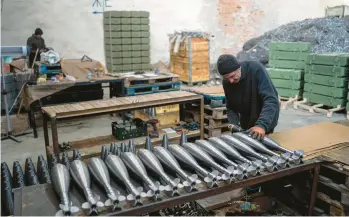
(99, 126)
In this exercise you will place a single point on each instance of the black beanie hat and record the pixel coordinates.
(227, 63)
(38, 31)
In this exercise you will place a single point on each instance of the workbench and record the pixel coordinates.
(51, 88)
(31, 199)
(108, 106)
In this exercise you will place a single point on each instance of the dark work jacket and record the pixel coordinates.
(35, 43)
(254, 100)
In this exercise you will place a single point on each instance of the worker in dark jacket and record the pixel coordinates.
(35, 42)
(251, 99)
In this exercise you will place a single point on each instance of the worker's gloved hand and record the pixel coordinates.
(235, 128)
(256, 132)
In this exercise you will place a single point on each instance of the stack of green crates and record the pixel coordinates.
(127, 41)
(326, 79)
(286, 67)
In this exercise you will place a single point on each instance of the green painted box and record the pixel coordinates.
(145, 53)
(126, 41)
(290, 74)
(285, 55)
(325, 100)
(284, 92)
(325, 80)
(126, 61)
(126, 47)
(286, 64)
(136, 27)
(136, 53)
(110, 54)
(136, 60)
(111, 28)
(137, 66)
(290, 46)
(335, 71)
(126, 34)
(145, 27)
(114, 61)
(327, 91)
(332, 59)
(113, 41)
(127, 67)
(288, 84)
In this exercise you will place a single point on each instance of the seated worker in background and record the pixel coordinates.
(251, 98)
(35, 42)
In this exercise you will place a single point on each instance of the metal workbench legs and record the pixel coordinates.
(202, 118)
(314, 189)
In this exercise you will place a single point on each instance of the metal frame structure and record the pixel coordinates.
(21, 195)
(10, 51)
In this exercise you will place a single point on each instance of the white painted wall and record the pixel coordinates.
(72, 30)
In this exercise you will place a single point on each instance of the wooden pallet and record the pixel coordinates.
(196, 83)
(215, 132)
(216, 113)
(154, 88)
(285, 102)
(317, 108)
(160, 79)
(214, 122)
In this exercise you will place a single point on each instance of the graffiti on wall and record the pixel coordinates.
(99, 6)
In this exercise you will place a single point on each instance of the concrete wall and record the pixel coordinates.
(73, 30)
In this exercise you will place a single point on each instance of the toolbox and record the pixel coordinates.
(129, 129)
(290, 74)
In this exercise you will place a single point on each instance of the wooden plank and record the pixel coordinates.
(100, 106)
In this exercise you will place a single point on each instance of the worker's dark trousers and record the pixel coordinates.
(31, 59)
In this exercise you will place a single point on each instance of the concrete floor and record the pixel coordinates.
(99, 126)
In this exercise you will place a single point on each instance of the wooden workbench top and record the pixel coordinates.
(118, 104)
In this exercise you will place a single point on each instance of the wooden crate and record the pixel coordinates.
(191, 62)
(165, 119)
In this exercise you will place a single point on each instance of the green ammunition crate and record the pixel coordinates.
(145, 34)
(114, 68)
(144, 20)
(126, 34)
(136, 47)
(136, 40)
(325, 100)
(288, 84)
(327, 91)
(112, 28)
(126, 41)
(135, 14)
(114, 61)
(286, 64)
(284, 92)
(285, 55)
(136, 60)
(145, 47)
(113, 41)
(332, 59)
(136, 34)
(113, 48)
(127, 67)
(334, 71)
(145, 59)
(135, 21)
(290, 74)
(112, 21)
(126, 47)
(109, 54)
(325, 80)
(136, 27)
(126, 61)
(137, 66)
(145, 27)
(145, 40)
(127, 53)
(146, 66)
(145, 53)
(126, 27)
(112, 34)
(290, 46)
(125, 21)
(125, 13)
(111, 14)
(144, 14)
(136, 53)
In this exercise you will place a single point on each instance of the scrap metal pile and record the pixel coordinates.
(163, 171)
(326, 35)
